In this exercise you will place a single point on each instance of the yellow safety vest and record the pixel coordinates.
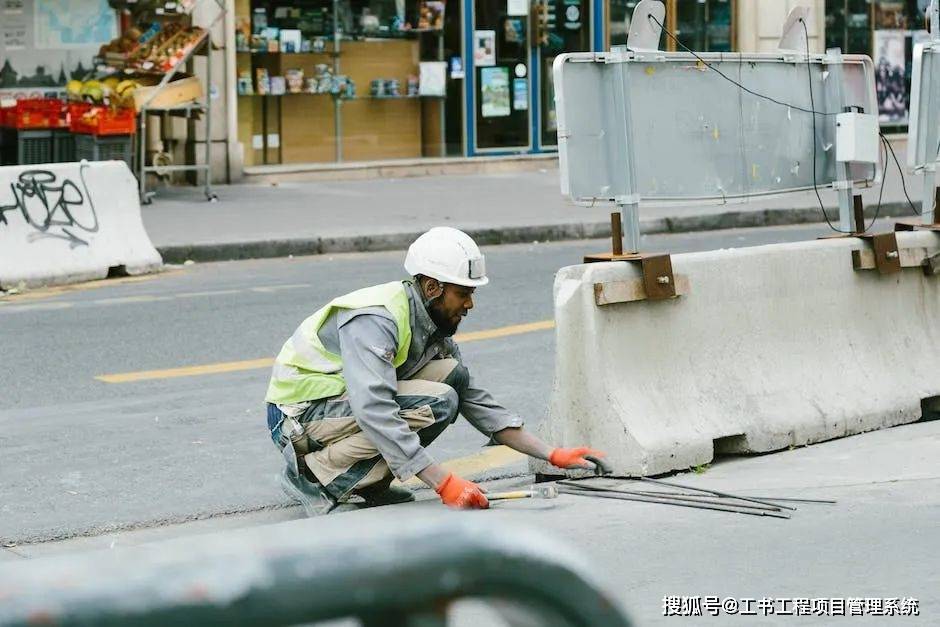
(305, 371)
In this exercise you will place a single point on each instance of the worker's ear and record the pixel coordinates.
(433, 288)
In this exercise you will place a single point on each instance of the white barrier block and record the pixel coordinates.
(67, 222)
(772, 346)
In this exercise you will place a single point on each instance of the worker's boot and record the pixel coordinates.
(383, 493)
(311, 496)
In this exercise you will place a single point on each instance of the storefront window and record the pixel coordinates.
(346, 80)
(569, 32)
(621, 11)
(702, 25)
(888, 32)
(501, 63)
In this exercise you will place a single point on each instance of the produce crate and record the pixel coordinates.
(75, 110)
(33, 146)
(103, 121)
(63, 146)
(105, 148)
(36, 113)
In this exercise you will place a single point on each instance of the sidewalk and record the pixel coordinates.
(304, 218)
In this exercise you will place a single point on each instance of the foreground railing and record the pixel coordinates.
(389, 569)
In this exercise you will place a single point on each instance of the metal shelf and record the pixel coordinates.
(202, 46)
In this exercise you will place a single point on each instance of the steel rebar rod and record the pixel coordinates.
(650, 499)
(715, 492)
(701, 498)
(766, 498)
(687, 487)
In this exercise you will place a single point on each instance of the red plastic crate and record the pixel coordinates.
(37, 113)
(7, 114)
(106, 121)
(74, 112)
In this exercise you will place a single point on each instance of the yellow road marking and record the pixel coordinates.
(187, 371)
(267, 362)
(491, 457)
(516, 329)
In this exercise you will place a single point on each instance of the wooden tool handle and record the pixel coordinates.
(505, 496)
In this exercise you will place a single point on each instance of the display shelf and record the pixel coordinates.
(415, 97)
(342, 48)
(305, 93)
(190, 110)
(369, 38)
(265, 53)
(302, 93)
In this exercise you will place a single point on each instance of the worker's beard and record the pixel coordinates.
(446, 323)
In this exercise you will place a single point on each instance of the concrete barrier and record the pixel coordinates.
(771, 347)
(69, 222)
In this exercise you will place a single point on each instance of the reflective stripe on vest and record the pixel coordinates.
(305, 370)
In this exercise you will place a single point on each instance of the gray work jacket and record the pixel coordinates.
(366, 341)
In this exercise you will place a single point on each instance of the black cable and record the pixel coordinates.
(884, 173)
(812, 105)
(812, 111)
(901, 174)
(734, 82)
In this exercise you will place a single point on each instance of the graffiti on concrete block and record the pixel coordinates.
(53, 208)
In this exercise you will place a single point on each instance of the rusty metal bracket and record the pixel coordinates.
(884, 254)
(658, 282)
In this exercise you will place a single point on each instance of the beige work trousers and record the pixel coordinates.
(348, 460)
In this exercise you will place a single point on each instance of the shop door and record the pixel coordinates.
(566, 27)
(500, 57)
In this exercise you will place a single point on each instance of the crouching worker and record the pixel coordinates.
(368, 381)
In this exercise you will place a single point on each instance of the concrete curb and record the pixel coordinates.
(263, 249)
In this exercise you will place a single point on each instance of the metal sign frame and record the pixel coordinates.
(606, 113)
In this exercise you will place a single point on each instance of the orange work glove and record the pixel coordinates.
(573, 457)
(462, 494)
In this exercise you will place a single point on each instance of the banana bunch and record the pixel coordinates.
(92, 91)
(124, 92)
(112, 90)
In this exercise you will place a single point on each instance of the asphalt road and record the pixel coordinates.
(81, 456)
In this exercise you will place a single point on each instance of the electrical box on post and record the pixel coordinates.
(856, 137)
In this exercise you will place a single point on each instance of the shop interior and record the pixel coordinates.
(347, 80)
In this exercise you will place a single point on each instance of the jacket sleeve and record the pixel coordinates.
(368, 344)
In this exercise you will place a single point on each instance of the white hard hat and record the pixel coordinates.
(448, 255)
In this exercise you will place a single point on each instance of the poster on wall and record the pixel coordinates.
(494, 92)
(484, 48)
(890, 82)
(44, 43)
(432, 78)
